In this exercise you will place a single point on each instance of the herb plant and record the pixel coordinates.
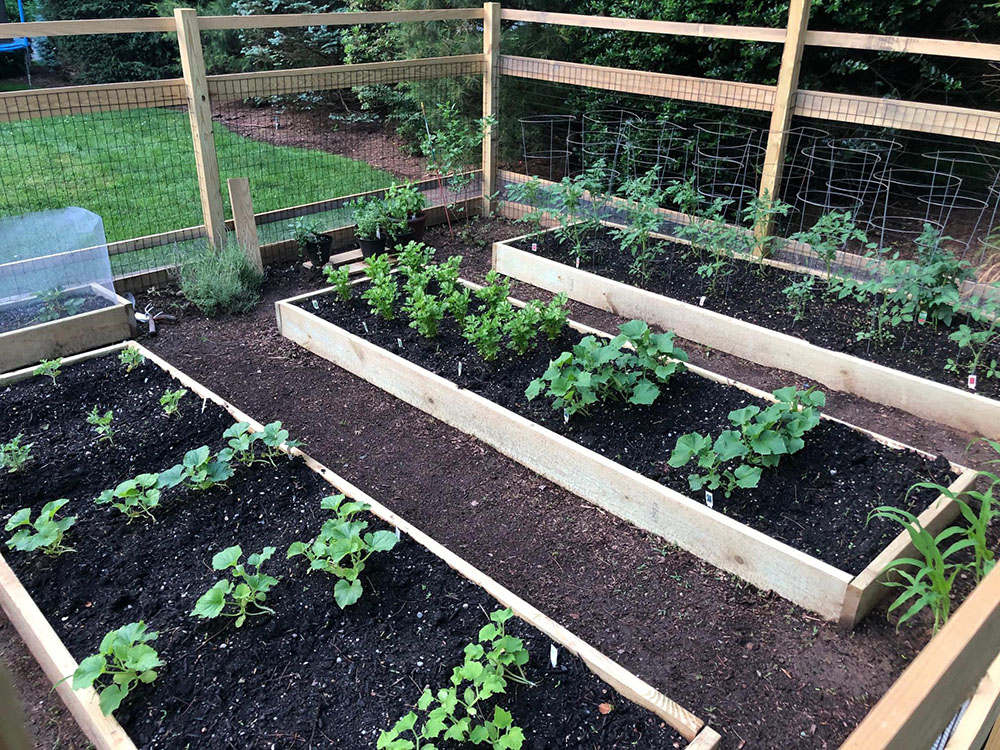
(170, 400)
(383, 291)
(135, 498)
(522, 327)
(49, 368)
(102, 424)
(241, 596)
(45, 533)
(126, 658)
(485, 332)
(342, 548)
(340, 279)
(130, 358)
(425, 311)
(13, 455)
(554, 316)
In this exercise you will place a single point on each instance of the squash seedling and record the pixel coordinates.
(198, 470)
(44, 534)
(102, 424)
(126, 658)
(130, 358)
(134, 498)
(170, 400)
(13, 455)
(244, 594)
(342, 548)
(49, 368)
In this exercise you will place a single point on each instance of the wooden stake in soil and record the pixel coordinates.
(243, 219)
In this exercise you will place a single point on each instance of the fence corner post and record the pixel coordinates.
(491, 96)
(784, 105)
(200, 112)
(243, 219)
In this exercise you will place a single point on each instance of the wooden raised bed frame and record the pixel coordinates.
(963, 410)
(69, 335)
(107, 734)
(712, 536)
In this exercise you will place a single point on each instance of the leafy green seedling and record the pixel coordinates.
(555, 315)
(170, 400)
(241, 441)
(198, 470)
(383, 290)
(102, 424)
(340, 279)
(49, 368)
(342, 548)
(126, 658)
(45, 533)
(131, 358)
(522, 327)
(244, 594)
(134, 498)
(425, 311)
(273, 437)
(13, 455)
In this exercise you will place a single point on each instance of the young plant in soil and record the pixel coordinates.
(555, 316)
(830, 234)
(273, 436)
(45, 533)
(800, 294)
(56, 305)
(522, 327)
(135, 498)
(629, 367)
(171, 399)
(198, 470)
(425, 311)
(985, 337)
(49, 368)
(383, 291)
(577, 215)
(13, 455)
(126, 658)
(643, 218)
(244, 594)
(340, 279)
(530, 193)
(130, 358)
(342, 548)
(102, 424)
(459, 712)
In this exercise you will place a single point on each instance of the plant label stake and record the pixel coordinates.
(315, 304)
(397, 534)
(565, 416)
(577, 262)
(400, 342)
(709, 500)
(701, 302)
(365, 325)
(534, 247)
(459, 368)
(922, 318)
(553, 655)
(972, 382)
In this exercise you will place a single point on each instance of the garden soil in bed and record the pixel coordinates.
(757, 298)
(311, 675)
(15, 317)
(817, 500)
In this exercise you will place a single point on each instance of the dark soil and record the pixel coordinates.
(757, 298)
(16, 317)
(816, 500)
(309, 676)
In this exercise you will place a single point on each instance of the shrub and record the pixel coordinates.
(221, 281)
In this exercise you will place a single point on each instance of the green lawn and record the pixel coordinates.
(136, 169)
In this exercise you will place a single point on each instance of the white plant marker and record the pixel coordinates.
(553, 655)
(709, 500)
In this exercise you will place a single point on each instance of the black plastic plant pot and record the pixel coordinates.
(416, 226)
(400, 241)
(318, 251)
(371, 247)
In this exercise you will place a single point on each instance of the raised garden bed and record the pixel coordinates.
(481, 399)
(104, 318)
(310, 673)
(750, 321)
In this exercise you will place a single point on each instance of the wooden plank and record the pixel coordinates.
(674, 28)
(491, 98)
(329, 77)
(707, 739)
(721, 541)
(85, 27)
(925, 698)
(784, 103)
(243, 219)
(867, 588)
(908, 44)
(200, 112)
(156, 240)
(614, 674)
(981, 714)
(684, 88)
(994, 741)
(924, 398)
(13, 729)
(56, 662)
(76, 100)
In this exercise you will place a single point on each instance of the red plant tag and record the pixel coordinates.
(972, 382)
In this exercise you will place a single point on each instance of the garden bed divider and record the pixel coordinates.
(712, 536)
(107, 734)
(963, 410)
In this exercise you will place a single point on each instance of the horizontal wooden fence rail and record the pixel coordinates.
(103, 97)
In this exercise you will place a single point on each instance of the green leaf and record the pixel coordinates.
(382, 541)
(346, 593)
(111, 698)
(227, 558)
(213, 601)
(747, 477)
(88, 670)
(644, 393)
(729, 445)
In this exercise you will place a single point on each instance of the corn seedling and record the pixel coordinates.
(170, 400)
(342, 548)
(135, 498)
(102, 424)
(13, 455)
(45, 533)
(49, 368)
(130, 358)
(126, 659)
(244, 594)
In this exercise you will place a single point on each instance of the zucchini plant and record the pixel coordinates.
(134, 498)
(241, 595)
(13, 455)
(44, 534)
(125, 659)
(342, 547)
(198, 470)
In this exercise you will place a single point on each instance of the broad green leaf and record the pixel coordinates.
(111, 698)
(212, 602)
(346, 593)
(227, 558)
(382, 541)
(89, 670)
(20, 518)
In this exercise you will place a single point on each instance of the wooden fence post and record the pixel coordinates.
(784, 103)
(243, 220)
(200, 112)
(491, 96)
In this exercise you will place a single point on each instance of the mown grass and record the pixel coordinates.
(136, 169)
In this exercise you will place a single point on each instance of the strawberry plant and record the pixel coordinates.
(126, 659)
(130, 358)
(170, 400)
(340, 279)
(459, 712)
(56, 305)
(102, 424)
(244, 594)
(13, 455)
(383, 290)
(45, 533)
(49, 368)
(134, 498)
(342, 548)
